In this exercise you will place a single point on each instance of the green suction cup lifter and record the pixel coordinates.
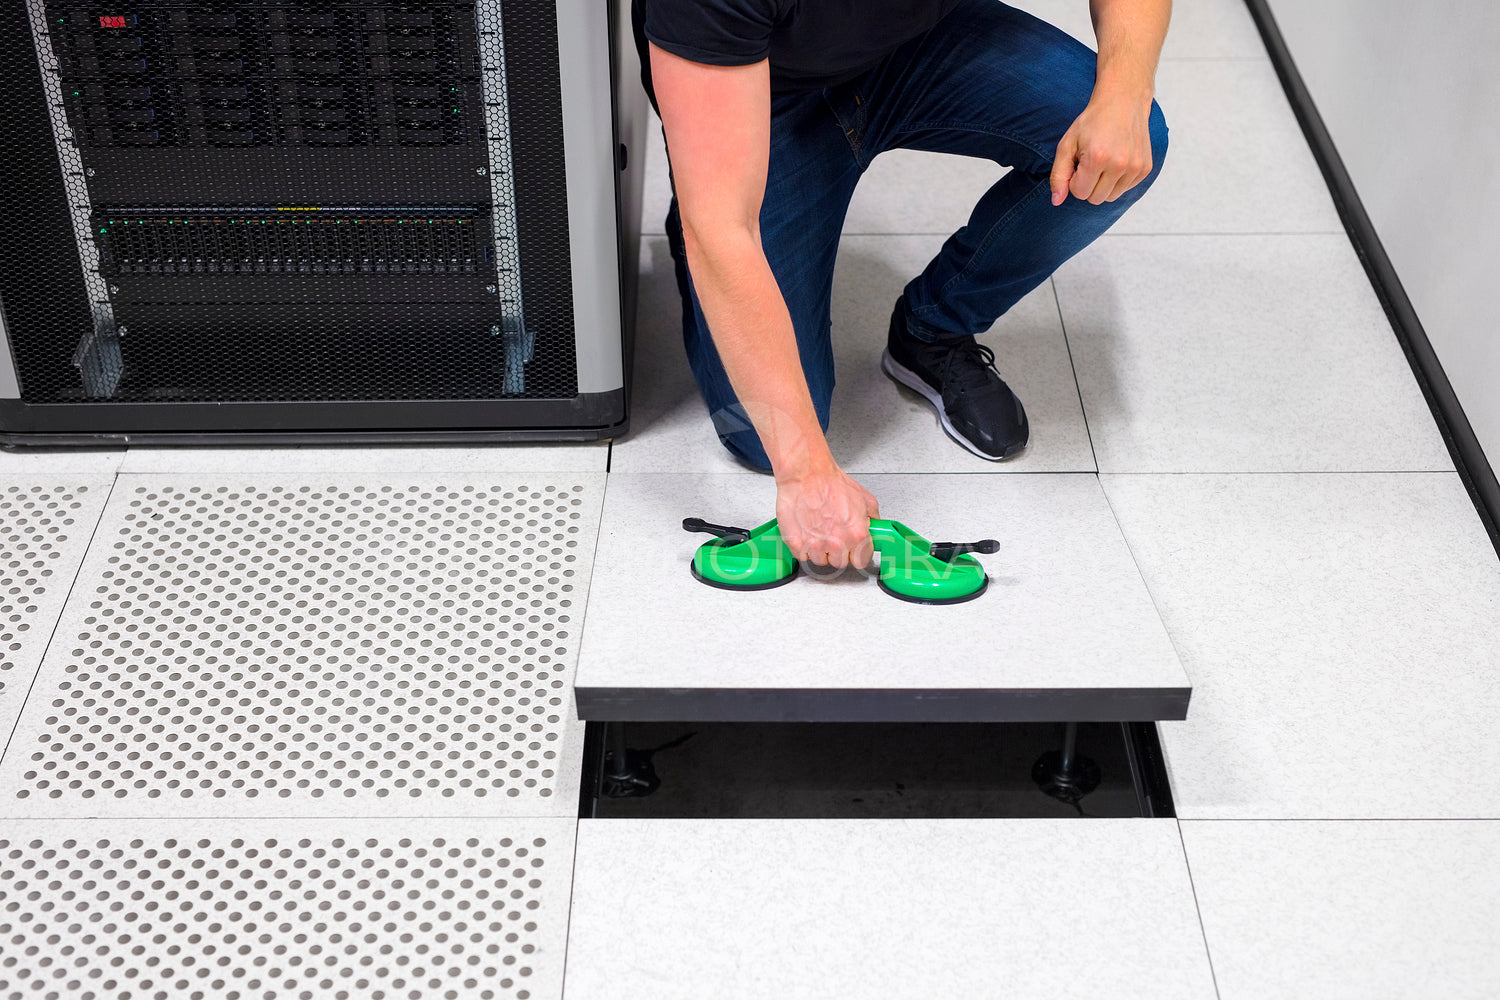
(913, 569)
(742, 558)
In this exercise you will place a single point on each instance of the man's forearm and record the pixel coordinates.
(753, 333)
(1130, 35)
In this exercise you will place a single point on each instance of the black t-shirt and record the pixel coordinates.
(811, 43)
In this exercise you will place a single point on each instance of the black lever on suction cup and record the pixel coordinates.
(947, 550)
(729, 534)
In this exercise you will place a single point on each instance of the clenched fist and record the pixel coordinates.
(824, 518)
(1105, 153)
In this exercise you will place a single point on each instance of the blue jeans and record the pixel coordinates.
(988, 81)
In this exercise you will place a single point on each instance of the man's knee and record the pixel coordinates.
(738, 436)
(1158, 126)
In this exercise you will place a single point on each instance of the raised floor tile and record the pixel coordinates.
(1065, 631)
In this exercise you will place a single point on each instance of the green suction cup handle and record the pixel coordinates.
(723, 531)
(947, 550)
(913, 569)
(742, 559)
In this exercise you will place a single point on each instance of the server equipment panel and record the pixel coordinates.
(295, 212)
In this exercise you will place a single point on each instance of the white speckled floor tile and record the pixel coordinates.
(890, 200)
(1202, 29)
(51, 462)
(1343, 636)
(417, 460)
(1240, 354)
(811, 909)
(1237, 162)
(1066, 615)
(283, 908)
(876, 426)
(45, 527)
(1349, 911)
(254, 646)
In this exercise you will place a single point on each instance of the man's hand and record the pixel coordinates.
(1105, 153)
(824, 517)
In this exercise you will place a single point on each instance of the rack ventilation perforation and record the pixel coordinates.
(35, 523)
(303, 643)
(267, 918)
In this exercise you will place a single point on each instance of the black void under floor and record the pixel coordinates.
(872, 770)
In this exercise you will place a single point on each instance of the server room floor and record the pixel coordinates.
(295, 723)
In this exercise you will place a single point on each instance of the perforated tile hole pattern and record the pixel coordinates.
(268, 919)
(35, 523)
(330, 642)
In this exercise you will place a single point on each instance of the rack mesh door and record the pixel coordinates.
(288, 201)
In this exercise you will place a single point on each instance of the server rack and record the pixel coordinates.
(284, 220)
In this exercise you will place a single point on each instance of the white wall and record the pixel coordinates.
(1410, 93)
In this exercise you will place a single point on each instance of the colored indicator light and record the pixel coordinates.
(111, 22)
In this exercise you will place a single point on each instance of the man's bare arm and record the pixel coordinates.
(1108, 150)
(718, 125)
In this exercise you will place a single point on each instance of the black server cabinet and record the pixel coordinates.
(283, 220)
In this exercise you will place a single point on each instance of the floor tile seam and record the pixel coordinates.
(1266, 473)
(1198, 908)
(572, 815)
(568, 922)
(571, 681)
(56, 478)
(62, 610)
(998, 473)
(1073, 367)
(94, 818)
(1202, 59)
(1236, 233)
(1146, 586)
(381, 474)
(1189, 233)
(1308, 820)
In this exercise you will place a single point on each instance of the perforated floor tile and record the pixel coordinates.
(283, 646)
(365, 460)
(213, 910)
(44, 531)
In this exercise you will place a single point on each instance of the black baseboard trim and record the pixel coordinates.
(1468, 457)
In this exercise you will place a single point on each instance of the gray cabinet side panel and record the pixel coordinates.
(588, 142)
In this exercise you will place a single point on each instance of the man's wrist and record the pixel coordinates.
(1125, 88)
(809, 459)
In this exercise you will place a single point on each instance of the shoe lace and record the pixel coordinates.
(969, 368)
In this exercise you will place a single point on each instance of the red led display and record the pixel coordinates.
(111, 22)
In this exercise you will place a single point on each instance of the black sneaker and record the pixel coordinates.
(957, 376)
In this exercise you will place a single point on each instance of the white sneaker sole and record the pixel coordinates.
(905, 376)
